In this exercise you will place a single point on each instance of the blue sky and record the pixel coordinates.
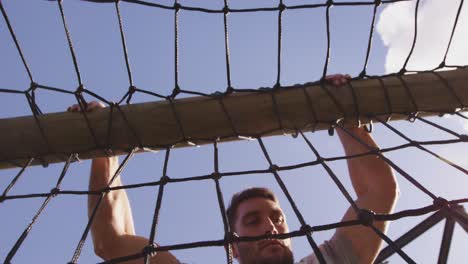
(190, 211)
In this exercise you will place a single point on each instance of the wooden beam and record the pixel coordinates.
(202, 119)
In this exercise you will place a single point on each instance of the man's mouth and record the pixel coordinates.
(270, 242)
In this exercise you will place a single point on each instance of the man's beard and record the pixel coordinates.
(286, 258)
(249, 257)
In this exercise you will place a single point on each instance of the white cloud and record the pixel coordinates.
(435, 22)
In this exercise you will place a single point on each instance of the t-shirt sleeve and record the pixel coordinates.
(336, 250)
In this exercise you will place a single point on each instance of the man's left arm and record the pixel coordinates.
(376, 189)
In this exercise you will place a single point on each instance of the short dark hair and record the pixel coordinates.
(238, 198)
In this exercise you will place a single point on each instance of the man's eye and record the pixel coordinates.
(279, 219)
(252, 222)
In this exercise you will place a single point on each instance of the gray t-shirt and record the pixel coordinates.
(336, 250)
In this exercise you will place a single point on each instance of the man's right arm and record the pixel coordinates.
(112, 228)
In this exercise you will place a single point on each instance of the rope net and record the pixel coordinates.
(315, 157)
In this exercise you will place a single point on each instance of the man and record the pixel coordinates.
(255, 212)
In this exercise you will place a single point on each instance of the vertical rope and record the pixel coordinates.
(273, 170)
(226, 46)
(176, 49)
(327, 58)
(222, 208)
(164, 179)
(131, 88)
(371, 35)
(281, 8)
(415, 36)
(455, 23)
(70, 44)
(124, 44)
(13, 36)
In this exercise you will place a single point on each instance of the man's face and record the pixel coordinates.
(259, 216)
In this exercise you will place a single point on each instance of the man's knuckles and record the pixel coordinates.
(88, 107)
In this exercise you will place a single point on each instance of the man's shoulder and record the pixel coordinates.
(336, 250)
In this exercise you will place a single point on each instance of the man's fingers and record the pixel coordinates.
(94, 105)
(91, 106)
(331, 77)
(74, 108)
(338, 79)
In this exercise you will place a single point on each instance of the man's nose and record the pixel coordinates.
(270, 227)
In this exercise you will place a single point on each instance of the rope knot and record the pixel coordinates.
(149, 250)
(2, 198)
(175, 92)
(307, 229)
(362, 74)
(464, 138)
(282, 7)
(164, 180)
(230, 237)
(80, 89)
(33, 86)
(412, 116)
(105, 191)
(132, 89)
(366, 217)
(229, 90)
(108, 152)
(274, 168)
(54, 191)
(441, 203)
(216, 176)
(226, 10)
(76, 157)
(177, 7)
(44, 163)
